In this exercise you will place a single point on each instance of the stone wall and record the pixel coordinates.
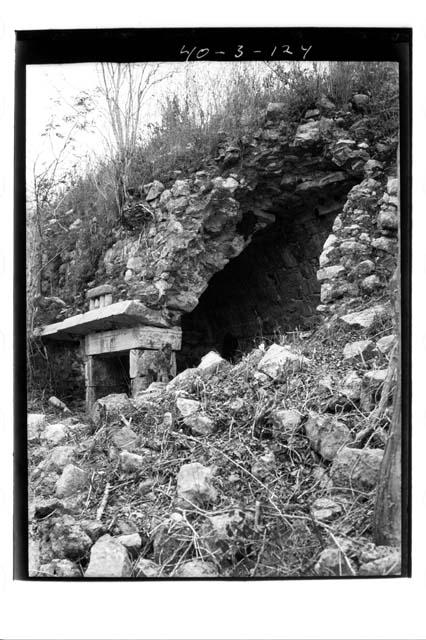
(239, 241)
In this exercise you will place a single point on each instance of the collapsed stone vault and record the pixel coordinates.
(229, 255)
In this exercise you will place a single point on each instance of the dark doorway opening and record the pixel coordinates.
(270, 288)
(111, 374)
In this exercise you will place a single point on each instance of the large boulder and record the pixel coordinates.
(356, 468)
(72, 480)
(326, 434)
(108, 559)
(111, 407)
(279, 361)
(194, 485)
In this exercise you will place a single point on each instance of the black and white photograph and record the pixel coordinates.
(214, 379)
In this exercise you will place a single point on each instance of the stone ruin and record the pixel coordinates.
(286, 226)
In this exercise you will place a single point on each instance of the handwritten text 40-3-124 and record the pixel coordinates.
(198, 53)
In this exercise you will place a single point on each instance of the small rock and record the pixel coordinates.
(388, 220)
(361, 350)
(42, 507)
(68, 539)
(275, 109)
(328, 273)
(351, 386)
(212, 363)
(199, 424)
(181, 188)
(111, 406)
(187, 407)
(379, 561)
(131, 462)
(370, 284)
(385, 244)
(326, 510)
(325, 104)
(392, 186)
(364, 268)
(372, 384)
(386, 343)
(66, 569)
(108, 559)
(55, 434)
(196, 569)
(388, 566)
(155, 190)
(145, 568)
(184, 381)
(265, 465)
(35, 425)
(33, 557)
(132, 541)
(332, 562)
(60, 457)
(71, 481)
(307, 134)
(366, 318)
(279, 360)
(360, 100)
(58, 404)
(93, 528)
(285, 422)
(194, 485)
(327, 435)
(356, 468)
(312, 113)
(125, 438)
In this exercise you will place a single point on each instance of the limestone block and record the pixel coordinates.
(196, 569)
(194, 485)
(71, 481)
(366, 318)
(279, 360)
(326, 434)
(360, 350)
(356, 468)
(108, 559)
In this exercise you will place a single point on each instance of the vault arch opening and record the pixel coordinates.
(270, 288)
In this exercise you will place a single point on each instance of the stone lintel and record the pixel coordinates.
(99, 291)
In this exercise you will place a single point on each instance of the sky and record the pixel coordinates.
(52, 88)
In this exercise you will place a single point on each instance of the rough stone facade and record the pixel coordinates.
(239, 241)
